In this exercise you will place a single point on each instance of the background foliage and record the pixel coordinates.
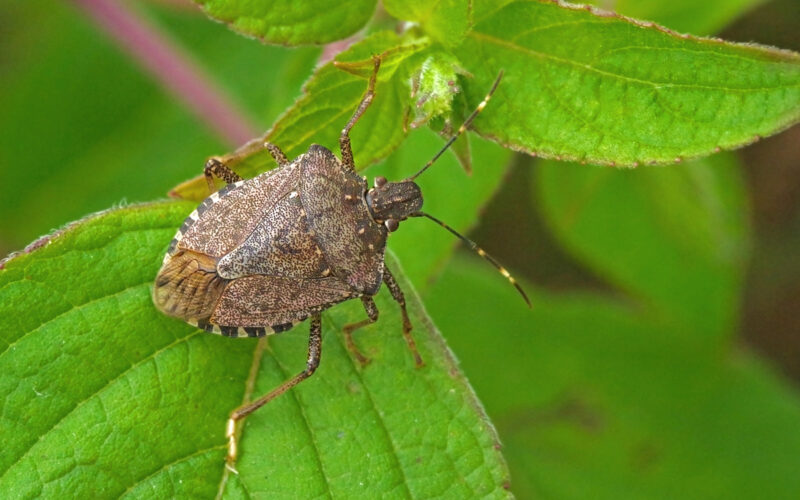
(629, 377)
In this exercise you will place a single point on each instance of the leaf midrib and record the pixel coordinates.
(655, 85)
(380, 419)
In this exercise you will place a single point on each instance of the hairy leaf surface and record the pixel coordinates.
(620, 91)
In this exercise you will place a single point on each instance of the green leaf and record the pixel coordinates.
(622, 92)
(101, 394)
(675, 238)
(595, 400)
(329, 99)
(446, 21)
(292, 22)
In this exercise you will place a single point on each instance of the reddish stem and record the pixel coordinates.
(172, 67)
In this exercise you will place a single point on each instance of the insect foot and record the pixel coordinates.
(230, 435)
(261, 255)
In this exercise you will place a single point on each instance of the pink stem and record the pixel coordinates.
(173, 67)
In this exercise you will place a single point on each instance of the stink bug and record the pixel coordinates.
(261, 255)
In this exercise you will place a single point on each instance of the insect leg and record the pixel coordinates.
(344, 138)
(215, 167)
(276, 153)
(314, 351)
(397, 295)
(372, 312)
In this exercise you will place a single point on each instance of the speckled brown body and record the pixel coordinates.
(264, 254)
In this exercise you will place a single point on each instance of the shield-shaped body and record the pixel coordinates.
(262, 255)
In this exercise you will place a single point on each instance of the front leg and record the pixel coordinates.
(397, 295)
(344, 138)
(216, 167)
(276, 154)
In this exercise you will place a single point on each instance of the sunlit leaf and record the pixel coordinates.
(690, 16)
(101, 393)
(599, 88)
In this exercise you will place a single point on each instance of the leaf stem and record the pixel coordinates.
(172, 67)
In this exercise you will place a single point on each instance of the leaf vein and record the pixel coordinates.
(588, 67)
(378, 413)
(313, 439)
(97, 392)
(71, 309)
(170, 464)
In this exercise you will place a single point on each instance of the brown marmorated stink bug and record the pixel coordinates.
(261, 255)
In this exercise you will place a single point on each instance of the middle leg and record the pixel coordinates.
(372, 313)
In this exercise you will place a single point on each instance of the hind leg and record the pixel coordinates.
(314, 352)
(397, 295)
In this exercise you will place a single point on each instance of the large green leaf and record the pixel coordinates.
(676, 238)
(292, 22)
(599, 88)
(594, 399)
(102, 396)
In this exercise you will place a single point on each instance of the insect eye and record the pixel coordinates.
(380, 181)
(391, 225)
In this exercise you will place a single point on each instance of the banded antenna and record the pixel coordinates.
(462, 128)
(480, 251)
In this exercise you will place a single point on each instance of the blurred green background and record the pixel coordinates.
(662, 354)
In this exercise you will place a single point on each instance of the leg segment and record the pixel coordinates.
(398, 296)
(314, 350)
(344, 138)
(215, 167)
(276, 153)
(372, 313)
